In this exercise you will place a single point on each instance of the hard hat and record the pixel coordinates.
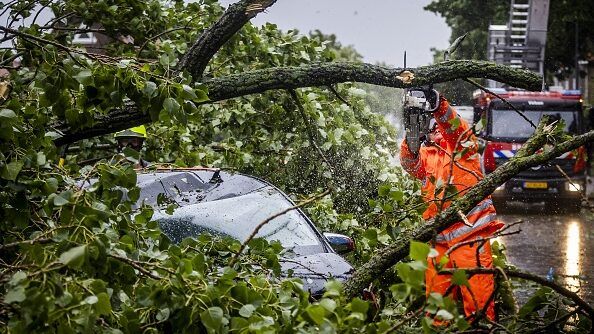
(137, 131)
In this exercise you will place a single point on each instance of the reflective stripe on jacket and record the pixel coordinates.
(433, 166)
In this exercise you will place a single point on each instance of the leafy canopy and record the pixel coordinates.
(82, 259)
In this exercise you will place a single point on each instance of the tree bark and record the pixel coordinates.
(388, 256)
(213, 38)
(315, 74)
(323, 74)
(116, 120)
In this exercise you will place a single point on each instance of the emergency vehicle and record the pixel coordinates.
(505, 131)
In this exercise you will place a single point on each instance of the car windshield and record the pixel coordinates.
(509, 124)
(238, 217)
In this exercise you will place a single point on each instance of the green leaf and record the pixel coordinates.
(459, 278)
(202, 95)
(536, 302)
(359, 305)
(51, 185)
(213, 319)
(419, 250)
(444, 315)
(57, 201)
(103, 304)
(333, 288)
(164, 60)
(371, 235)
(316, 313)
(384, 190)
(41, 160)
(85, 77)
(11, 170)
(163, 314)
(188, 92)
(455, 123)
(397, 195)
(18, 277)
(7, 114)
(15, 295)
(150, 89)
(444, 260)
(462, 324)
(247, 310)
(328, 304)
(63, 198)
(419, 265)
(238, 324)
(170, 105)
(74, 257)
(400, 291)
(91, 300)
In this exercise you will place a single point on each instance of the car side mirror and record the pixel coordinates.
(340, 243)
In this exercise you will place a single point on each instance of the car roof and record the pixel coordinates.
(191, 186)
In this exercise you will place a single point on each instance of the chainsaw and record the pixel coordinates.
(417, 115)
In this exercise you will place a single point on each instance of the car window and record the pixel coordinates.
(509, 124)
(238, 216)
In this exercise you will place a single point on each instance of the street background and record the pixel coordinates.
(562, 244)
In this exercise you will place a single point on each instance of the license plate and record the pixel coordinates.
(535, 185)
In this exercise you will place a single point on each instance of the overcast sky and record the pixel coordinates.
(380, 30)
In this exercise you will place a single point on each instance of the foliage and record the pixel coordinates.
(76, 253)
(471, 17)
(564, 18)
(474, 17)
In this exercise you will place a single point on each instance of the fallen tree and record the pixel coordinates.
(79, 100)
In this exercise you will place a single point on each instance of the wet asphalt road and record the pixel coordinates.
(562, 242)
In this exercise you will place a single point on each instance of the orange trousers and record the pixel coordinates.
(481, 285)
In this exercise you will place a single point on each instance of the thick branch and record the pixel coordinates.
(324, 74)
(317, 74)
(212, 39)
(116, 120)
(525, 158)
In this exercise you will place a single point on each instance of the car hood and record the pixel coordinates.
(316, 269)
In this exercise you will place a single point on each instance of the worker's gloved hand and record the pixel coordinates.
(430, 94)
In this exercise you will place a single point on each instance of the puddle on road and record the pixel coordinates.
(563, 243)
(572, 256)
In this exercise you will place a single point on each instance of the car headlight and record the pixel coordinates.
(573, 186)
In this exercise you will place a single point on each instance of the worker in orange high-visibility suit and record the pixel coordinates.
(433, 165)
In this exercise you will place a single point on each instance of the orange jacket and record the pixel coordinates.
(433, 166)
